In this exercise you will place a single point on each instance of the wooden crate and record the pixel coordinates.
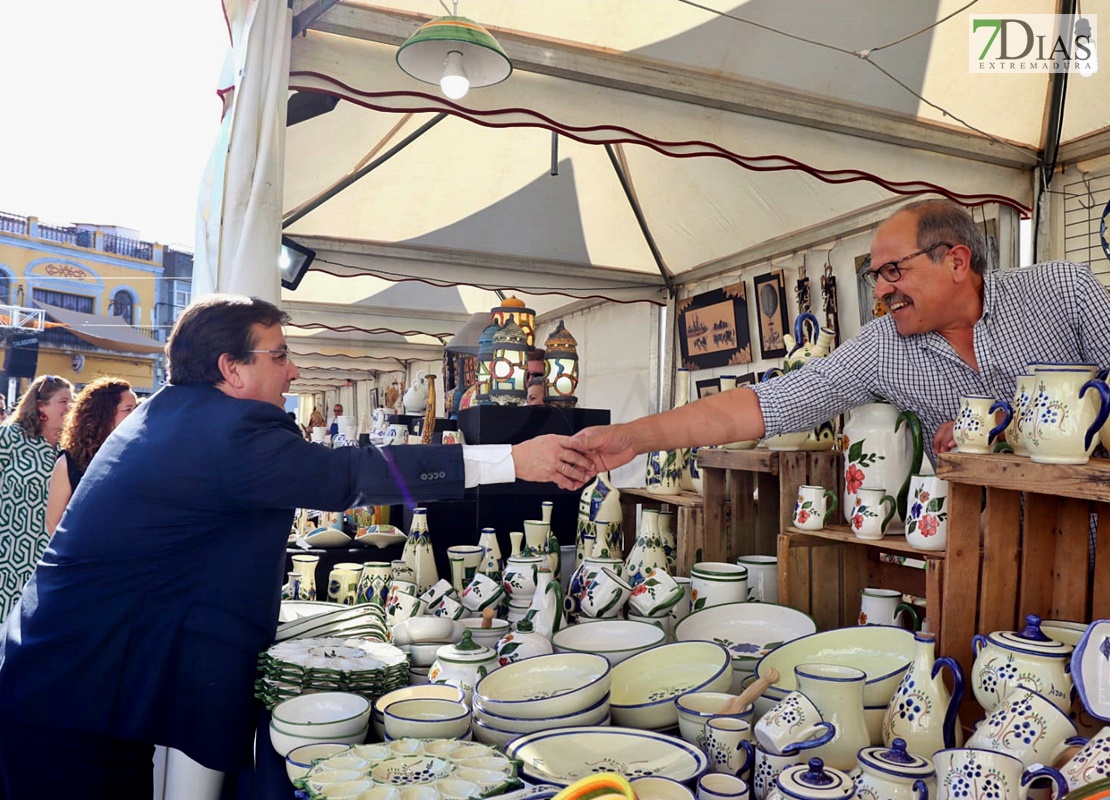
(823, 573)
(689, 525)
(731, 478)
(1026, 548)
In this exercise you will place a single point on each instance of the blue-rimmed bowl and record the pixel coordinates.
(545, 686)
(646, 685)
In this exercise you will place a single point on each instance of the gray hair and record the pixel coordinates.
(945, 221)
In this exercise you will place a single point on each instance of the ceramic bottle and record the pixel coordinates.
(600, 501)
(681, 397)
(922, 712)
(670, 539)
(491, 560)
(417, 552)
(648, 552)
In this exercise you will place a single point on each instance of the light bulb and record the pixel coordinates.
(454, 82)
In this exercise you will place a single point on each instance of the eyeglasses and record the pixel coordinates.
(890, 271)
(279, 356)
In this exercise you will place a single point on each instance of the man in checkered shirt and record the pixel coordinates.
(951, 329)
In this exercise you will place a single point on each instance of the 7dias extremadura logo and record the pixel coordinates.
(1024, 43)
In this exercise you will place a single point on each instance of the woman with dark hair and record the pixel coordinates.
(98, 409)
(28, 439)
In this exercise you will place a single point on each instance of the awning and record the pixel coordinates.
(111, 333)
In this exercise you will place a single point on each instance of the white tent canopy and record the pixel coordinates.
(742, 130)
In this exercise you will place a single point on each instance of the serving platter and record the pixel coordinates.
(380, 536)
(327, 537)
(564, 755)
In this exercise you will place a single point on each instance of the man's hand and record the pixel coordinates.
(606, 446)
(551, 459)
(944, 439)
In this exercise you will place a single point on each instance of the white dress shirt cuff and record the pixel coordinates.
(488, 463)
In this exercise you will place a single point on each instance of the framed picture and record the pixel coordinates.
(374, 398)
(747, 379)
(770, 294)
(708, 386)
(713, 328)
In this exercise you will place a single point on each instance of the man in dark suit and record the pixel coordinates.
(143, 622)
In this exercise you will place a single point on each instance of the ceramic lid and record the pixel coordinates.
(815, 781)
(896, 761)
(467, 651)
(1031, 640)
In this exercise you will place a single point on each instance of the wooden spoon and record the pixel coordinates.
(748, 696)
(487, 620)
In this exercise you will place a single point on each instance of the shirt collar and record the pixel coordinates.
(990, 293)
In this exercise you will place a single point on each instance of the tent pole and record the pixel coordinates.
(373, 165)
(668, 279)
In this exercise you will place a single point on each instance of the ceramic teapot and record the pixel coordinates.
(1007, 659)
(880, 454)
(812, 781)
(891, 773)
(463, 665)
(415, 399)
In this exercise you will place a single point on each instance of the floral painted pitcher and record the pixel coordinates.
(878, 453)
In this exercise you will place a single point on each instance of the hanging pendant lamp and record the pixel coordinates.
(456, 53)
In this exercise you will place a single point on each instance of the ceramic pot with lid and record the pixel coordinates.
(463, 665)
(892, 773)
(1005, 660)
(812, 781)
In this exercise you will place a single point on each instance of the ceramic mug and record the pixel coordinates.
(714, 583)
(450, 608)
(605, 595)
(436, 592)
(681, 610)
(885, 607)
(402, 606)
(1028, 726)
(305, 566)
(1090, 764)
(343, 583)
(768, 767)
(868, 520)
(396, 434)
(763, 577)
(728, 744)
(656, 595)
(927, 513)
(482, 592)
(719, 786)
(965, 772)
(793, 724)
(974, 429)
(814, 507)
(402, 571)
(1066, 417)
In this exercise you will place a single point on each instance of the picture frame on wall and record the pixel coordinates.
(708, 386)
(747, 379)
(713, 328)
(770, 299)
(374, 398)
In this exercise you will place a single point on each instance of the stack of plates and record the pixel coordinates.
(331, 619)
(300, 666)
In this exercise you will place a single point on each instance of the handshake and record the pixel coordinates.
(571, 461)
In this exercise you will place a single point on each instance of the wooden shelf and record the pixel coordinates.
(1090, 481)
(682, 500)
(843, 534)
(756, 460)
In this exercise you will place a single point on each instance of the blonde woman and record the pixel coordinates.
(28, 447)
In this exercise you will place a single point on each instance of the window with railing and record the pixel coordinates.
(58, 337)
(123, 305)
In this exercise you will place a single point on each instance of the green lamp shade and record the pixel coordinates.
(423, 54)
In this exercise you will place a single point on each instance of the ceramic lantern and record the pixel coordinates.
(485, 356)
(562, 368)
(508, 369)
(514, 308)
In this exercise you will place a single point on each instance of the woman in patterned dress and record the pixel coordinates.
(27, 451)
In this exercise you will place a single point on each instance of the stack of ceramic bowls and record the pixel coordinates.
(437, 691)
(646, 685)
(427, 718)
(364, 621)
(318, 718)
(541, 693)
(613, 638)
(748, 630)
(302, 666)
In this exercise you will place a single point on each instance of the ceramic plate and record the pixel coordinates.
(329, 537)
(299, 628)
(1090, 668)
(748, 630)
(380, 536)
(299, 609)
(564, 755)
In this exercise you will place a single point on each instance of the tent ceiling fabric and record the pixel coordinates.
(730, 135)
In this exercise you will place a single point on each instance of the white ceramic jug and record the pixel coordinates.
(880, 452)
(837, 692)
(416, 396)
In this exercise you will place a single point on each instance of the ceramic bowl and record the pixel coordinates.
(696, 708)
(749, 630)
(426, 718)
(322, 714)
(427, 629)
(589, 716)
(418, 676)
(883, 652)
(423, 654)
(653, 788)
(487, 734)
(613, 638)
(440, 691)
(545, 686)
(299, 760)
(284, 742)
(646, 685)
(486, 636)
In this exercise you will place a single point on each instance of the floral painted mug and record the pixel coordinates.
(1028, 726)
(974, 429)
(814, 508)
(868, 520)
(927, 513)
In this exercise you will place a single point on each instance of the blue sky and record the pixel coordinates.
(110, 111)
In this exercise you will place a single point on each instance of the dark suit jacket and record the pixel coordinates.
(146, 616)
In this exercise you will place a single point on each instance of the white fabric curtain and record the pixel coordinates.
(239, 210)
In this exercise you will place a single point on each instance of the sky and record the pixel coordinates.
(110, 111)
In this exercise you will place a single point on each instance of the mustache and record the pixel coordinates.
(896, 298)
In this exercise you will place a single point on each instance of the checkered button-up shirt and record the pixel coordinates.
(1055, 312)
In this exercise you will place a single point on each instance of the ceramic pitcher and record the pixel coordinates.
(1066, 414)
(837, 692)
(964, 773)
(1023, 393)
(880, 452)
(923, 712)
(974, 429)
